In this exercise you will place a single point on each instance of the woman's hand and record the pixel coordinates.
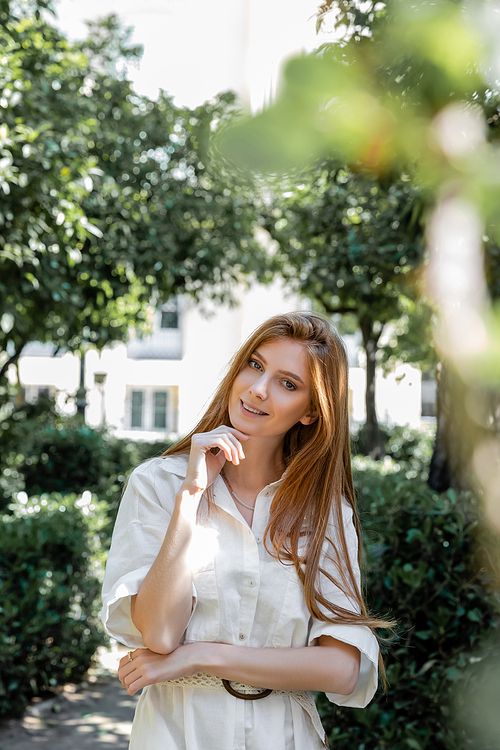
(204, 466)
(148, 667)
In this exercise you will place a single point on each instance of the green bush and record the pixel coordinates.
(18, 428)
(423, 568)
(401, 443)
(50, 564)
(43, 451)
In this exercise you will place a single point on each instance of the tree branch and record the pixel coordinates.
(11, 361)
(332, 310)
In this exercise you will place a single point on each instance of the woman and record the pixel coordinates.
(233, 573)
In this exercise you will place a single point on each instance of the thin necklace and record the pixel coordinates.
(233, 493)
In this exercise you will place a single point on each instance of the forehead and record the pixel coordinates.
(287, 355)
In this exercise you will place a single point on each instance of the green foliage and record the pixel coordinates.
(53, 546)
(409, 448)
(108, 200)
(351, 242)
(43, 451)
(424, 568)
(348, 240)
(372, 101)
(352, 17)
(412, 339)
(49, 552)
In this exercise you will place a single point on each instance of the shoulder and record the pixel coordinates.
(148, 498)
(155, 481)
(161, 467)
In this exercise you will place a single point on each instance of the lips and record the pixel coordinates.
(252, 410)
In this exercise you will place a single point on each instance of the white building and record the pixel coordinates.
(158, 386)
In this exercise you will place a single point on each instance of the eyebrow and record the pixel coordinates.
(282, 372)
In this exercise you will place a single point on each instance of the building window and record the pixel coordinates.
(33, 392)
(429, 396)
(153, 409)
(136, 415)
(170, 315)
(160, 410)
(165, 342)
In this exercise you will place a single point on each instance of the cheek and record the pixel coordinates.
(242, 381)
(302, 407)
(239, 385)
(292, 409)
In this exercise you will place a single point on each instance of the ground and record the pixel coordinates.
(96, 714)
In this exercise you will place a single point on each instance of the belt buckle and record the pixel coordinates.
(246, 696)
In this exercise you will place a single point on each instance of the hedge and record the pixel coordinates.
(404, 444)
(52, 546)
(424, 568)
(42, 451)
(50, 558)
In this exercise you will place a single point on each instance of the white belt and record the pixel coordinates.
(247, 692)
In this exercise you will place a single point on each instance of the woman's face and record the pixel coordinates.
(273, 391)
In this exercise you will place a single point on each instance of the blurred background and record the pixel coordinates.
(171, 176)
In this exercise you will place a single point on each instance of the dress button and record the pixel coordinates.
(258, 539)
(251, 583)
(242, 637)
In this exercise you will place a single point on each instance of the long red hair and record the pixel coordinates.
(318, 462)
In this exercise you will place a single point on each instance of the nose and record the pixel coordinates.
(259, 387)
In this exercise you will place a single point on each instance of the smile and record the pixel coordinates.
(253, 411)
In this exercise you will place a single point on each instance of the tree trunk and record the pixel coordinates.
(373, 438)
(439, 477)
(464, 420)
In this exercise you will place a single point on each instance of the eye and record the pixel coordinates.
(254, 364)
(289, 385)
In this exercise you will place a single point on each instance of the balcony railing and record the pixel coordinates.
(163, 344)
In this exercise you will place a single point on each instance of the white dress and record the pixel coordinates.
(242, 596)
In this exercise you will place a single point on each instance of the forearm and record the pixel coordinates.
(332, 668)
(162, 607)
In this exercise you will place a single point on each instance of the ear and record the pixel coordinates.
(309, 418)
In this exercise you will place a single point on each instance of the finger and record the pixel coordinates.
(133, 677)
(238, 436)
(126, 670)
(129, 655)
(135, 686)
(238, 433)
(224, 444)
(124, 661)
(209, 442)
(237, 448)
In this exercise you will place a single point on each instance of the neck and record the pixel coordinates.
(262, 465)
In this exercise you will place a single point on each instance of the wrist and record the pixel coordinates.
(207, 657)
(187, 501)
(189, 490)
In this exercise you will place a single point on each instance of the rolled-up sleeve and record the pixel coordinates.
(143, 517)
(359, 636)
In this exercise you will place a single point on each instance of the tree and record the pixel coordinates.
(350, 242)
(412, 336)
(411, 87)
(109, 201)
